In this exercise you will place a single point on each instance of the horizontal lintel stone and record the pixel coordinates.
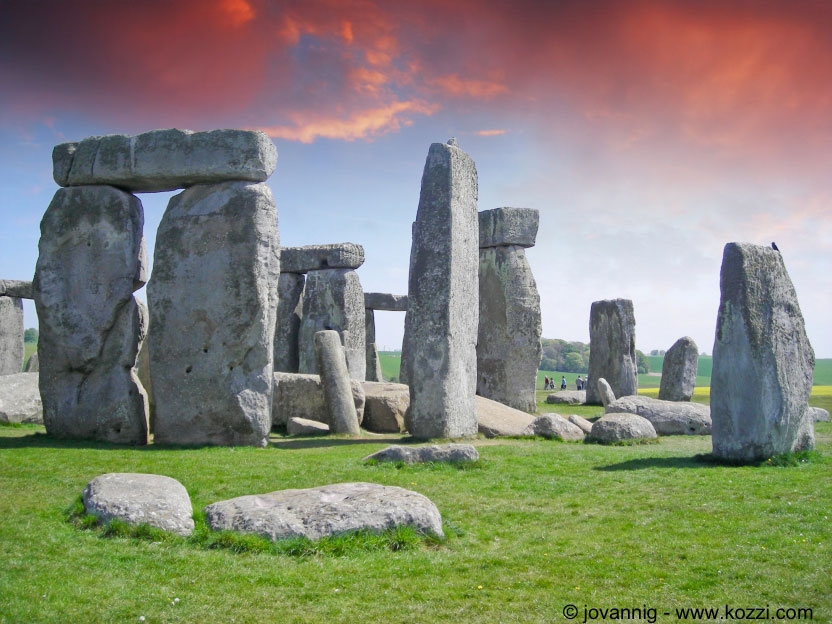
(16, 288)
(385, 302)
(165, 160)
(508, 226)
(317, 257)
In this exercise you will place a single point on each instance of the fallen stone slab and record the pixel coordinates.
(667, 417)
(385, 302)
(495, 419)
(16, 288)
(818, 414)
(581, 422)
(621, 427)
(136, 498)
(20, 399)
(325, 511)
(555, 426)
(508, 226)
(424, 454)
(567, 397)
(302, 426)
(165, 160)
(302, 396)
(385, 406)
(319, 257)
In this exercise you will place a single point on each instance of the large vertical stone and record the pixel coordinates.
(89, 264)
(333, 299)
(213, 297)
(443, 292)
(335, 380)
(287, 325)
(612, 348)
(373, 364)
(679, 371)
(11, 335)
(762, 360)
(508, 348)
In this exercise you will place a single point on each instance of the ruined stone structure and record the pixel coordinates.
(382, 302)
(508, 345)
(12, 350)
(319, 290)
(612, 349)
(212, 295)
(762, 360)
(440, 334)
(679, 370)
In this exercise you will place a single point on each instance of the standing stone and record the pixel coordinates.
(213, 298)
(373, 362)
(287, 325)
(440, 334)
(11, 335)
(335, 380)
(762, 359)
(333, 299)
(32, 365)
(508, 347)
(679, 371)
(612, 348)
(89, 264)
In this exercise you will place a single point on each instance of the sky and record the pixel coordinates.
(648, 133)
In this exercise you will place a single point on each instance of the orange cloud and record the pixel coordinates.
(490, 133)
(360, 125)
(459, 87)
(239, 12)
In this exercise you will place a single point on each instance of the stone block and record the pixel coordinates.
(679, 370)
(508, 226)
(319, 257)
(12, 349)
(612, 348)
(385, 302)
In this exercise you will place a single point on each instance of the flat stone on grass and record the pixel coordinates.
(612, 428)
(450, 453)
(555, 426)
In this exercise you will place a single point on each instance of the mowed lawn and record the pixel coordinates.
(536, 526)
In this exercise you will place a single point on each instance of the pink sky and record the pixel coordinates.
(648, 134)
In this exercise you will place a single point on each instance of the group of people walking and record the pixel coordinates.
(549, 384)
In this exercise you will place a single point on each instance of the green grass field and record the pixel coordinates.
(538, 525)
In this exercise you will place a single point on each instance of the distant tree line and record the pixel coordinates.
(573, 357)
(30, 335)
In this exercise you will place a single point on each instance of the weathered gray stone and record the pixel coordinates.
(287, 324)
(385, 406)
(667, 417)
(508, 345)
(335, 380)
(762, 359)
(319, 257)
(567, 397)
(621, 427)
(302, 396)
(819, 414)
(555, 426)
(612, 348)
(438, 453)
(20, 399)
(679, 370)
(213, 298)
(151, 499)
(16, 288)
(32, 364)
(373, 372)
(12, 349)
(495, 419)
(164, 160)
(91, 326)
(443, 293)
(324, 511)
(605, 392)
(582, 423)
(508, 226)
(333, 299)
(302, 426)
(385, 302)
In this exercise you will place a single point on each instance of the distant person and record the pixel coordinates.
(563, 383)
(579, 383)
(545, 383)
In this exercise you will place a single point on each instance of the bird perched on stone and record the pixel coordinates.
(774, 246)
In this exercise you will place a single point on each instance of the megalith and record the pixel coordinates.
(213, 301)
(11, 335)
(372, 302)
(333, 299)
(762, 360)
(335, 380)
(287, 324)
(91, 260)
(679, 371)
(612, 348)
(508, 345)
(440, 334)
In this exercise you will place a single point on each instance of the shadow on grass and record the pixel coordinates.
(643, 463)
